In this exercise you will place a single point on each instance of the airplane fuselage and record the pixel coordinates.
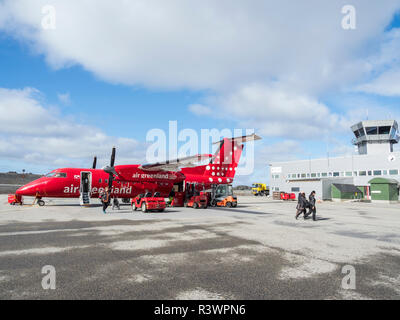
(67, 183)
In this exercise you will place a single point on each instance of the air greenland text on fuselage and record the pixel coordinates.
(115, 190)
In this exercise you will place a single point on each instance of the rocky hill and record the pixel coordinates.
(11, 181)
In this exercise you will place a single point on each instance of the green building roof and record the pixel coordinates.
(383, 181)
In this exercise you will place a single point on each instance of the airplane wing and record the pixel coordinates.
(242, 139)
(175, 165)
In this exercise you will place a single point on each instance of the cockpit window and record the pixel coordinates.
(56, 175)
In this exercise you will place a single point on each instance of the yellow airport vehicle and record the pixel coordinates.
(260, 189)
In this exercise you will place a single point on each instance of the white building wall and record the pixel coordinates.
(310, 173)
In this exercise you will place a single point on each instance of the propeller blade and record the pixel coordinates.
(110, 181)
(113, 157)
(94, 163)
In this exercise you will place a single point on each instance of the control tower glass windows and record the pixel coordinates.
(384, 130)
(359, 133)
(371, 131)
(393, 133)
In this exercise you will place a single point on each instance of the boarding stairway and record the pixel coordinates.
(84, 198)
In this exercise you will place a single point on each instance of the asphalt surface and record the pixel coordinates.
(256, 251)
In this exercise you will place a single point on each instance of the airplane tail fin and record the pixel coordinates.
(224, 163)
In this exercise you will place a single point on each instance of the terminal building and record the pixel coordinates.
(348, 177)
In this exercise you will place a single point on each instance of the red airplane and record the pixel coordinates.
(128, 181)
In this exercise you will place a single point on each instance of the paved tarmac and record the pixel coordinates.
(256, 251)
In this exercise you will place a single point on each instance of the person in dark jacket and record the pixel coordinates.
(105, 200)
(116, 204)
(301, 205)
(312, 203)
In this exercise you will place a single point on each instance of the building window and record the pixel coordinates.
(363, 173)
(303, 175)
(384, 130)
(349, 174)
(394, 172)
(355, 173)
(372, 130)
(336, 174)
(377, 173)
(330, 174)
(295, 189)
(319, 175)
(385, 172)
(370, 173)
(324, 174)
(313, 175)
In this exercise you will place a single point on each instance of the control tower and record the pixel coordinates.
(376, 136)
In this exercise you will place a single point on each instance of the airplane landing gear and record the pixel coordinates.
(41, 203)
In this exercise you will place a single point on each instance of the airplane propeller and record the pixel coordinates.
(110, 169)
(94, 163)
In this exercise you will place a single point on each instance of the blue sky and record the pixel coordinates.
(299, 85)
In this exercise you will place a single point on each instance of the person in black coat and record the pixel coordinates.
(312, 203)
(302, 205)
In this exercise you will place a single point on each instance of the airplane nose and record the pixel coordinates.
(31, 189)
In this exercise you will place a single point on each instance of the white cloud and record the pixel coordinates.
(265, 62)
(200, 110)
(202, 44)
(276, 111)
(64, 98)
(384, 68)
(37, 134)
(386, 84)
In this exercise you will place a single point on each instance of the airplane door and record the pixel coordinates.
(85, 189)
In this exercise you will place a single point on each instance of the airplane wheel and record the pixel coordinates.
(41, 203)
(195, 205)
(205, 207)
(234, 205)
(144, 209)
(229, 204)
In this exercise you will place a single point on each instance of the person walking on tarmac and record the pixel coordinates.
(105, 199)
(313, 209)
(116, 203)
(301, 205)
